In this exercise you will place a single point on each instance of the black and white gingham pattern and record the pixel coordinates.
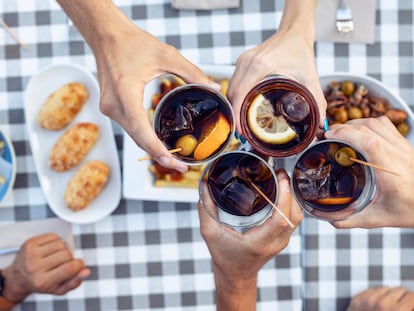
(150, 255)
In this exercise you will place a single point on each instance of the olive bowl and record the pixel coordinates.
(375, 88)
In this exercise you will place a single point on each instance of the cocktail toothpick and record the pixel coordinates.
(12, 33)
(148, 157)
(273, 205)
(374, 166)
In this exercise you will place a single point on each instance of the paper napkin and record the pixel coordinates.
(17, 233)
(363, 13)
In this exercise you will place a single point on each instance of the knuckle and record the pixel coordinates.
(258, 251)
(233, 91)
(382, 305)
(282, 224)
(29, 244)
(297, 218)
(66, 256)
(372, 143)
(39, 283)
(170, 51)
(104, 107)
(67, 270)
(59, 244)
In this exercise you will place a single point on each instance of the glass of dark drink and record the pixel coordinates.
(279, 117)
(229, 180)
(197, 120)
(328, 184)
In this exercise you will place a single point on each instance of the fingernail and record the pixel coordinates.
(181, 169)
(325, 125)
(240, 137)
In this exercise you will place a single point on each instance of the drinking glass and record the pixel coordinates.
(330, 186)
(279, 117)
(228, 180)
(196, 118)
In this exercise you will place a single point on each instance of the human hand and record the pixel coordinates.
(127, 59)
(286, 53)
(393, 204)
(237, 257)
(124, 68)
(44, 264)
(383, 299)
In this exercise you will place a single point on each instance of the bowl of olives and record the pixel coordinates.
(351, 96)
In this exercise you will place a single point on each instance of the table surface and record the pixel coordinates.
(150, 255)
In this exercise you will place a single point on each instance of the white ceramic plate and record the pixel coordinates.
(40, 86)
(375, 87)
(7, 167)
(138, 181)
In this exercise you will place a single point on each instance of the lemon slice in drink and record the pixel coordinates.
(265, 125)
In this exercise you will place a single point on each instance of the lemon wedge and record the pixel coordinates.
(265, 125)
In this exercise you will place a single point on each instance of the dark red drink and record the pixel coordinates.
(197, 119)
(229, 180)
(329, 185)
(279, 117)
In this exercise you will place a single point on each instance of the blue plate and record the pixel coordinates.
(7, 166)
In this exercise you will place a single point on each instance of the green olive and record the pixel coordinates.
(347, 87)
(187, 143)
(403, 128)
(355, 113)
(341, 115)
(343, 155)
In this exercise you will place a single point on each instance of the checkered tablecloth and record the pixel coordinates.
(150, 255)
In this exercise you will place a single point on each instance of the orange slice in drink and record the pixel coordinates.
(213, 135)
(333, 201)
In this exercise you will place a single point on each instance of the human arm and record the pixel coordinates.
(44, 264)
(237, 258)
(383, 299)
(393, 204)
(127, 58)
(288, 52)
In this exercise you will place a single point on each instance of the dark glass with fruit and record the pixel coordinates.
(196, 119)
(328, 184)
(229, 181)
(279, 117)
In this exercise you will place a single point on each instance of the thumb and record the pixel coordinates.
(73, 282)
(190, 73)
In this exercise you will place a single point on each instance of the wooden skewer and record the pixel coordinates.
(374, 166)
(272, 204)
(148, 157)
(12, 33)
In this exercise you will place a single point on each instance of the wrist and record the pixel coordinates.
(235, 293)
(234, 285)
(99, 21)
(296, 31)
(299, 19)
(11, 291)
(106, 34)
